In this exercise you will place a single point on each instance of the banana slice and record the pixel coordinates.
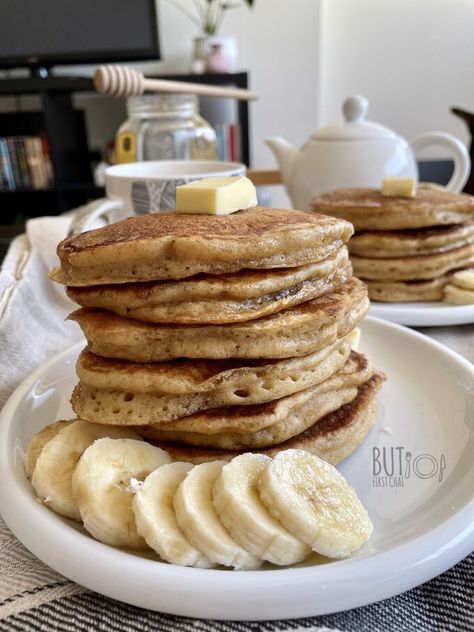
(38, 442)
(156, 521)
(315, 503)
(464, 279)
(55, 465)
(455, 295)
(354, 338)
(198, 520)
(238, 505)
(106, 477)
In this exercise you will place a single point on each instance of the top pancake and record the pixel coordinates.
(368, 209)
(164, 246)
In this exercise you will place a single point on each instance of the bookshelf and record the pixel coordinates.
(64, 126)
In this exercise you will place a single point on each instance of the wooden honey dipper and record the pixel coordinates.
(123, 81)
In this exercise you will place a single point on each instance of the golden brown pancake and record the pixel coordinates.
(423, 267)
(332, 438)
(368, 209)
(270, 423)
(127, 393)
(295, 331)
(407, 291)
(411, 242)
(218, 299)
(167, 246)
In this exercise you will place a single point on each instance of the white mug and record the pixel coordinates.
(136, 188)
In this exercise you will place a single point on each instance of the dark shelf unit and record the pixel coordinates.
(64, 127)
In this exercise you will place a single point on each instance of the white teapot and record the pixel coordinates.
(357, 153)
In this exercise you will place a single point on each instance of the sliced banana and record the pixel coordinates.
(199, 522)
(156, 521)
(455, 295)
(38, 442)
(55, 465)
(354, 338)
(463, 279)
(106, 477)
(238, 505)
(315, 503)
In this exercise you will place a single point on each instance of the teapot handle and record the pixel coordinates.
(462, 162)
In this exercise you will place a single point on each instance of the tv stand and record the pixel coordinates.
(64, 126)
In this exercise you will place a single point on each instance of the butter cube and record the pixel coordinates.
(399, 187)
(216, 196)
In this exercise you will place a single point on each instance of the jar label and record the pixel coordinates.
(126, 150)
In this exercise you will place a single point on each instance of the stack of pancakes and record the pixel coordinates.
(406, 249)
(215, 335)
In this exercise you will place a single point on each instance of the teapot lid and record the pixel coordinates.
(354, 126)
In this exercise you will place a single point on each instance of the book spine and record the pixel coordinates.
(2, 182)
(42, 180)
(14, 162)
(7, 173)
(22, 162)
(46, 151)
(33, 163)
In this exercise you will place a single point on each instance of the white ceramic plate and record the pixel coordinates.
(422, 503)
(434, 314)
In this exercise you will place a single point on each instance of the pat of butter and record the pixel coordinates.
(399, 187)
(216, 196)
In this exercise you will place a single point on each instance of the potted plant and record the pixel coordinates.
(209, 47)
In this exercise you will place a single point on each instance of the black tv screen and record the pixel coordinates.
(49, 32)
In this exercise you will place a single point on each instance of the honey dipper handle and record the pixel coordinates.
(122, 81)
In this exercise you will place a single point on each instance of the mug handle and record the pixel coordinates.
(85, 218)
(462, 161)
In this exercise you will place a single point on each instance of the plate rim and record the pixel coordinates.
(422, 314)
(432, 558)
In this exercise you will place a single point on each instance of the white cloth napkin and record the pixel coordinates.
(32, 309)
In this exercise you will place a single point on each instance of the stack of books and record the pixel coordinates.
(229, 142)
(25, 164)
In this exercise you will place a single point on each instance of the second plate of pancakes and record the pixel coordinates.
(407, 250)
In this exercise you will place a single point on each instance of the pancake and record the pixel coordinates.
(126, 393)
(296, 331)
(368, 209)
(409, 243)
(233, 423)
(226, 298)
(423, 267)
(332, 438)
(170, 246)
(407, 291)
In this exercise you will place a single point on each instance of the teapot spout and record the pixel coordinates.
(285, 155)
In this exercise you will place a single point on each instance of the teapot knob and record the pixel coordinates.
(355, 108)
